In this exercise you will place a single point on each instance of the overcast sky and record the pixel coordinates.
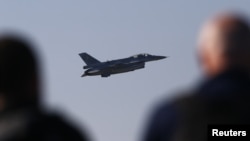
(114, 108)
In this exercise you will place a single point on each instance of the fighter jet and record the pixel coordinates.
(105, 69)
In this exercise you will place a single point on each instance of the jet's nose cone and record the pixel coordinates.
(160, 57)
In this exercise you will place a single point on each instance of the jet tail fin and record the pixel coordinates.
(89, 60)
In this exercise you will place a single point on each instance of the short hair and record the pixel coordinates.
(236, 33)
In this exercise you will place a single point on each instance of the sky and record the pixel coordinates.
(115, 108)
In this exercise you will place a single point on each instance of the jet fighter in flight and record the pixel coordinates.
(105, 69)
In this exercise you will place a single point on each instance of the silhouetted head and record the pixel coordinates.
(224, 43)
(18, 72)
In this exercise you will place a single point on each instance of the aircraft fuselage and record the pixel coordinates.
(105, 69)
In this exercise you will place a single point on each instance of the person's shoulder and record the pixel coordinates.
(58, 126)
(167, 103)
(167, 107)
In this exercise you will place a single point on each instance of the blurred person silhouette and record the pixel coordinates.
(22, 116)
(224, 94)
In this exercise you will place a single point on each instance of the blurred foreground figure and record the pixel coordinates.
(22, 117)
(223, 97)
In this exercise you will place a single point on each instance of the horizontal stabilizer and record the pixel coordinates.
(83, 75)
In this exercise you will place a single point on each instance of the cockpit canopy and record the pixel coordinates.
(140, 55)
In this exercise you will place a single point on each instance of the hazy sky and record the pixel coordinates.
(114, 108)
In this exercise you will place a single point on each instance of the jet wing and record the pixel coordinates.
(120, 64)
(116, 64)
